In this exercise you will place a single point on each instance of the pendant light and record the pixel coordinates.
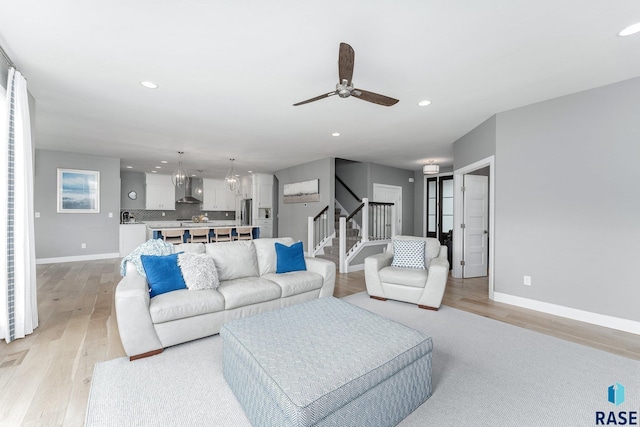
(231, 180)
(179, 177)
(430, 169)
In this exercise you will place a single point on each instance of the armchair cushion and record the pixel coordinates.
(413, 277)
(408, 254)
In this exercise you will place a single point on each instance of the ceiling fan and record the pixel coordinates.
(344, 88)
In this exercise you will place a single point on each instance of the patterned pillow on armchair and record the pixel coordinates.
(408, 254)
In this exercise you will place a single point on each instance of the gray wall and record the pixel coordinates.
(476, 145)
(293, 217)
(567, 204)
(132, 181)
(61, 234)
(356, 176)
(4, 72)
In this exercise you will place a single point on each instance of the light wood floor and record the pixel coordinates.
(45, 377)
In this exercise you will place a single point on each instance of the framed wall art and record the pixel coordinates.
(301, 192)
(78, 191)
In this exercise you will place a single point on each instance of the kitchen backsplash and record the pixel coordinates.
(183, 211)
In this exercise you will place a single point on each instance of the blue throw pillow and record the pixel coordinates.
(289, 258)
(163, 273)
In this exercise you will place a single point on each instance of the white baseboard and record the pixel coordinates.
(626, 325)
(357, 267)
(76, 258)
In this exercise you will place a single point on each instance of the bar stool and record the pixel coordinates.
(244, 233)
(223, 234)
(199, 234)
(173, 236)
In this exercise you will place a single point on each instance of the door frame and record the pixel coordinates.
(458, 215)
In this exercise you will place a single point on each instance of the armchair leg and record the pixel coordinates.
(378, 298)
(426, 307)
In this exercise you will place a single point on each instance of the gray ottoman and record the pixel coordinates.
(326, 362)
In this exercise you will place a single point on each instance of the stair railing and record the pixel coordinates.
(318, 231)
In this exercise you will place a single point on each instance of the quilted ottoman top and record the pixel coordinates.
(324, 351)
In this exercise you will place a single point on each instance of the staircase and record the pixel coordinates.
(368, 225)
(332, 249)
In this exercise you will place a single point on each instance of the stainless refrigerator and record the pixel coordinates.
(245, 212)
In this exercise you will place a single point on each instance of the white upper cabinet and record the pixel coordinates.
(160, 193)
(216, 197)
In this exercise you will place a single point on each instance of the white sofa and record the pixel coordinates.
(417, 286)
(248, 285)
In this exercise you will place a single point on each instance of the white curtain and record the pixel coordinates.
(18, 303)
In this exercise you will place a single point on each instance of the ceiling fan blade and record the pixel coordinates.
(346, 60)
(374, 97)
(317, 98)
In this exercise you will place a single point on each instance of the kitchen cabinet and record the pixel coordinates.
(264, 195)
(216, 197)
(131, 236)
(160, 193)
(266, 227)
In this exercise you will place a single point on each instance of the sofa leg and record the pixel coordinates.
(378, 298)
(426, 307)
(147, 354)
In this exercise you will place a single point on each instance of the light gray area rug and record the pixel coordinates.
(485, 373)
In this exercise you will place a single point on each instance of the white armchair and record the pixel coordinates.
(424, 287)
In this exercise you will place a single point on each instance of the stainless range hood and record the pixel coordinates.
(193, 186)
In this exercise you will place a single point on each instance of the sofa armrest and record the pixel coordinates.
(436, 282)
(137, 332)
(327, 270)
(372, 265)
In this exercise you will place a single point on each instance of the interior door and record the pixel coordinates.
(476, 220)
(390, 194)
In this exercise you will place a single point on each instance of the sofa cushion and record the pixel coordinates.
(247, 291)
(199, 271)
(184, 303)
(290, 258)
(403, 276)
(297, 282)
(233, 260)
(408, 254)
(266, 253)
(163, 273)
(190, 248)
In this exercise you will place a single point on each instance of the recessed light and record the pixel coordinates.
(129, 167)
(249, 171)
(158, 167)
(154, 171)
(335, 134)
(424, 103)
(149, 85)
(631, 29)
(163, 161)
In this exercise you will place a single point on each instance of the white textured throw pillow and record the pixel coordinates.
(407, 254)
(199, 271)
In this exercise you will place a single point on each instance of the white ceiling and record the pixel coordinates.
(229, 72)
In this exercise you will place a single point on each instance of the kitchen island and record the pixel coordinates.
(155, 228)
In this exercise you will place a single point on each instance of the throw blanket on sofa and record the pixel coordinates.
(150, 247)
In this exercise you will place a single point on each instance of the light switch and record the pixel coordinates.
(110, 214)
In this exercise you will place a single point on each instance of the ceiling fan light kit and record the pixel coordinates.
(345, 87)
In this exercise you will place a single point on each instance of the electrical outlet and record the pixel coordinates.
(110, 214)
(37, 214)
(527, 280)
(162, 213)
(83, 246)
